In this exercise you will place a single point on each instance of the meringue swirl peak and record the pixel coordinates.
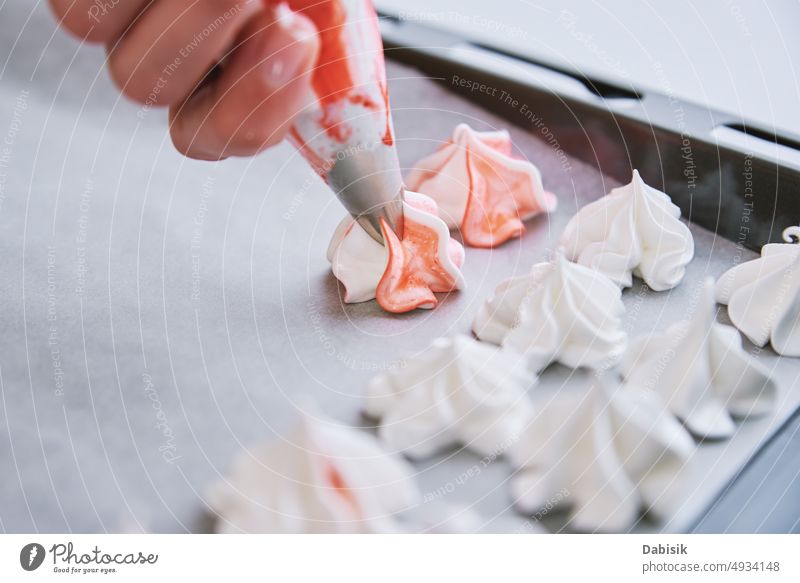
(700, 369)
(606, 451)
(763, 295)
(481, 187)
(560, 312)
(405, 273)
(633, 230)
(456, 392)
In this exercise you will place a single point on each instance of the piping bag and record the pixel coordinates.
(346, 133)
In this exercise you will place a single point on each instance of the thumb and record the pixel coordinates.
(262, 85)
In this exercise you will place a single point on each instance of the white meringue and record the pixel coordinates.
(635, 229)
(763, 295)
(360, 262)
(561, 312)
(702, 372)
(322, 478)
(480, 187)
(458, 392)
(608, 452)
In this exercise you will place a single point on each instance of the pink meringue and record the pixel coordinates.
(404, 274)
(480, 187)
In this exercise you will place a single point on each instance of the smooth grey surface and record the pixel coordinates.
(738, 56)
(765, 496)
(207, 310)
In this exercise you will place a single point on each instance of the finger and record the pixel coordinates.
(97, 20)
(261, 88)
(161, 59)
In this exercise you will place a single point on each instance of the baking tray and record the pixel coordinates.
(191, 309)
(740, 184)
(422, 113)
(717, 167)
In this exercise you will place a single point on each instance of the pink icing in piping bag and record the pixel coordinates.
(346, 134)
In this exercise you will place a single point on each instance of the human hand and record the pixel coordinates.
(233, 72)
